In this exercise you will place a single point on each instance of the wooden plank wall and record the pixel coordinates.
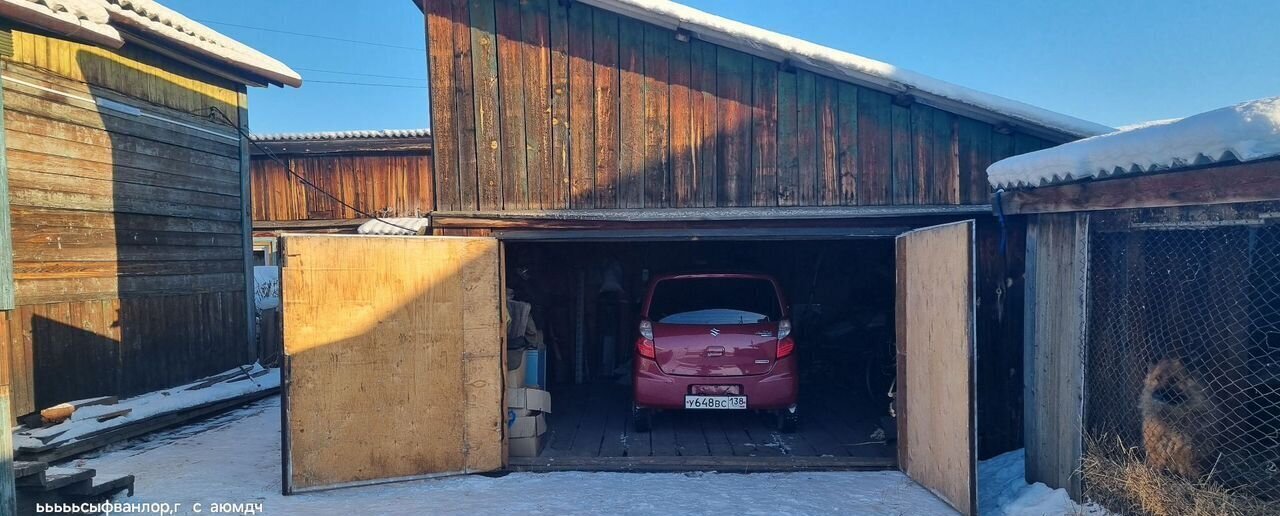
(619, 113)
(403, 329)
(386, 184)
(127, 231)
(1054, 368)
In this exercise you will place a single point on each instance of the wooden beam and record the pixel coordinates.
(265, 225)
(6, 225)
(722, 464)
(474, 218)
(246, 221)
(339, 146)
(1215, 184)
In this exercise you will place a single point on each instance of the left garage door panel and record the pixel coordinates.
(393, 358)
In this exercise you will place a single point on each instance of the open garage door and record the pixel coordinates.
(935, 328)
(393, 358)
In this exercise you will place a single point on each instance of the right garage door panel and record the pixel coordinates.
(935, 361)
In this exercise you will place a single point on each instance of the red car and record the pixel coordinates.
(715, 342)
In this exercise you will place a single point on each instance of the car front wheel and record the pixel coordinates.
(788, 420)
(641, 419)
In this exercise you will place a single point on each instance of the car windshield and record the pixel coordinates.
(714, 301)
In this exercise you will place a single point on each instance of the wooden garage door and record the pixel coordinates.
(935, 404)
(393, 355)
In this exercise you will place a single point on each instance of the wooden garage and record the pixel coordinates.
(579, 144)
(124, 230)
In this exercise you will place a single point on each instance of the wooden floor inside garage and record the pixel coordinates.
(590, 430)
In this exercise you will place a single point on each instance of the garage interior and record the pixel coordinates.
(585, 296)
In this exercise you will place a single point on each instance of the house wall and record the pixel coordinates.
(386, 184)
(128, 232)
(543, 104)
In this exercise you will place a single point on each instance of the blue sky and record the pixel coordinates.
(1111, 62)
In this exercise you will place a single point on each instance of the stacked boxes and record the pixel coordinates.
(526, 410)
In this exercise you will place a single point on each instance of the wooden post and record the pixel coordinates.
(246, 203)
(8, 499)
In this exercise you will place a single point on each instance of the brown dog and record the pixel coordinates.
(1176, 415)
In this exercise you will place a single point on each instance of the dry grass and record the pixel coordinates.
(1119, 479)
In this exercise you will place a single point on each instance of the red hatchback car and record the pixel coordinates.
(715, 342)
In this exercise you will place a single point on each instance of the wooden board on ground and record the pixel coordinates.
(936, 440)
(393, 358)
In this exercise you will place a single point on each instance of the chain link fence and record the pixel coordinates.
(1182, 396)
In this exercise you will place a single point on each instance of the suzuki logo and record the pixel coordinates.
(715, 332)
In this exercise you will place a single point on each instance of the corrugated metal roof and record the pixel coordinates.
(342, 135)
(395, 226)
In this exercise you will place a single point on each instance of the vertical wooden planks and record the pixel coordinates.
(945, 177)
(657, 42)
(8, 499)
(807, 137)
(536, 35)
(440, 51)
(465, 108)
(557, 182)
(681, 126)
(788, 180)
(921, 152)
(705, 119)
(764, 132)
(733, 173)
(847, 143)
(581, 108)
(484, 74)
(903, 185)
(631, 113)
(511, 109)
(828, 136)
(606, 101)
(973, 140)
(874, 148)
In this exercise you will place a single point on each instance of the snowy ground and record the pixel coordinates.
(235, 458)
(238, 460)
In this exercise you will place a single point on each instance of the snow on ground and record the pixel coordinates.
(1243, 132)
(1003, 491)
(266, 286)
(240, 462)
(84, 421)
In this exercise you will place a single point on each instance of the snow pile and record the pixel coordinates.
(1243, 132)
(83, 422)
(266, 286)
(394, 226)
(1003, 491)
(772, 45)
(240, 462)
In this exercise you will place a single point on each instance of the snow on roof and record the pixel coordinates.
(1243, 132)
(83, 19)
(772, 45)
(342, 135)
(98, 21)
(394, 226)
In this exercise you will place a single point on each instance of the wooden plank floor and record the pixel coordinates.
(595, 422)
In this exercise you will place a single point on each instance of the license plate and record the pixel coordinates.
(716, 402)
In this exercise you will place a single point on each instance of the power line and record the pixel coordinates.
(339, 72)
(317, 36)
(227, 120)
(350, 83)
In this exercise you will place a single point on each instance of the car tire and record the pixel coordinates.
(788, 420)
(641, 419)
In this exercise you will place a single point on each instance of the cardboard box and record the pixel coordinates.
(527, 426)
(525, 446)
(529, 399)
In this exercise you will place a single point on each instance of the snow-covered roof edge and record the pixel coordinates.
(100, 22)
(394, 226)
(342, 135)
(1244, 132)
(765, 43)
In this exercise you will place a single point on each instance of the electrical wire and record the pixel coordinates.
(339, 72)
(317, 36)
(349, 83)
(213, 110)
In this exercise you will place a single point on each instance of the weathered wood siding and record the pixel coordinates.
(396, 184)
(634, 117)
(128, 232)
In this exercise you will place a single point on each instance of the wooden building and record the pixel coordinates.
(124, 191)
(383, 173)
(1153, 311)
(574, 138)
